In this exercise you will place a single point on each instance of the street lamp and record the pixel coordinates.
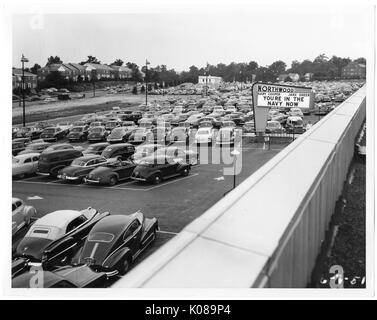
(23, 60)
(234, 153)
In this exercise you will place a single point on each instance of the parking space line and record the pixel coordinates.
(173, 181)
(54, 181)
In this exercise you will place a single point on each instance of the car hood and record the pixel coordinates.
(95, 134)
(142, 170)
(74, 134)
(32, 247)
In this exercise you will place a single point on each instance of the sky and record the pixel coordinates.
(263, 34)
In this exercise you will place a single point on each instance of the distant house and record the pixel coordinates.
(354, 70)
(99, 71)
(80, 70)
(294, 76)
(121, 72)
(211, 81)
(64, 70)
(31, 79)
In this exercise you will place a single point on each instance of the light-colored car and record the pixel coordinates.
(21, 214)
(226, 136)
(25, 164)
(205, 135)
(296, 112)
(64, 126)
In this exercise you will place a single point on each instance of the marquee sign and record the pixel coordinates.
(266, 96)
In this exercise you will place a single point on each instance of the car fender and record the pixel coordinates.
(183, 166)
(18, 266)
(56, 169)
(30, 211)
(116, 257)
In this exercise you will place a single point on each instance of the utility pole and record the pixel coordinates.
(23, 60)
(146, 81)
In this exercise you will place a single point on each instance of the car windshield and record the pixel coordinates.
(179, 130)
(52, 130)
(96, 129)
(95, 124)
(101, 237)
(33, 147)
(63, 124)
(79, 123)
(117, 130)
(139, 131)
(77, 129)
(273, 125)
(203, 132)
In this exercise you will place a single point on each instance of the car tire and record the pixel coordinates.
(125, 266)
(185, 172)
(157, 179)
(113, 181)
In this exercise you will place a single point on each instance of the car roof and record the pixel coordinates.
(119, 145)
(27, 155)
(61, 151)
(58, 219)
(113, 224)
(89, 157)
(16, 199)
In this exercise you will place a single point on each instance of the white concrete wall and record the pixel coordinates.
(268, 231)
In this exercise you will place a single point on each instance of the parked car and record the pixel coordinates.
(19, 145)
(59, 278)
(58, 146)
(21, 215)
(112, 245)
(295, 112)
(274, 127)
(136, 116)
(205, 135)
(248, 127)
(120, 134)
(78, 134)
(121, 150)
(179, 154)
(96, 124)
(25, 164)
(226, 136)
(54, 238)
(157, 168)
(215, 123)
(52, 161)
(145, 150)
(65, 126)
(111, 173)
(295, 125)
(158, 135)
(52, 134)
(37, 147)
(96, 148)
(110, 125)
(97, 134)
(139, 135)
(28, 132)
(180, 134)
(81, 166)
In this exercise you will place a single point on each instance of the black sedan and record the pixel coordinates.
(81, 166)
(97, 134)
(78, 133)
(52, 134)
(155, 168)
(112, 173)
(112, 245)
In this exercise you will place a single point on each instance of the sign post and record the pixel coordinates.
(267, 96)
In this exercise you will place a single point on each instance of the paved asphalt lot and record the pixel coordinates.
(175, 202)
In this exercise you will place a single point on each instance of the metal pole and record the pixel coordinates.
(206, 84)
(234, 172)
(146, 83)
(23, 93)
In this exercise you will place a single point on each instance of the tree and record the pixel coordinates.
(277, 68)
(360, 60)
(55, 79)
(338, 64)
(117, 62)
(53, 60)
(35, 68)
(91, 59)
(288, 79)
(142, 89)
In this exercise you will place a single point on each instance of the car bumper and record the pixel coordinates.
(139, 179)
(91, 181)
(42, 173)
(68, 177)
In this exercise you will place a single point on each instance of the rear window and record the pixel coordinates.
(40, 231)
(101, 237)
(76, 129)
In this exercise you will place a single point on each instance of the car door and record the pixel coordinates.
(35, 160)
(17, 216)
(132, 236)
(28, 165)
(170, 167)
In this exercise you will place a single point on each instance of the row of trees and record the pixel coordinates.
(321, 68)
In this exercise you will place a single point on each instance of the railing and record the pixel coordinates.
(269, 230)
